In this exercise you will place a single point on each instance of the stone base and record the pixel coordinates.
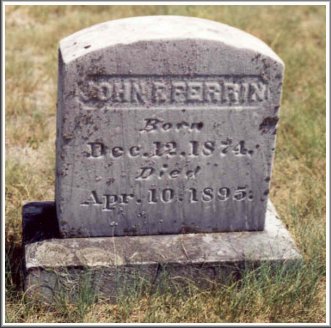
(109, 266)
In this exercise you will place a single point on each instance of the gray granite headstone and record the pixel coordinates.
(166, 125)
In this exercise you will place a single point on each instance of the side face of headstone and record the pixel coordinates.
(165, 125)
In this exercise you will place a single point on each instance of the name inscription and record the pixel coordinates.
(106, 91)
(158, 136)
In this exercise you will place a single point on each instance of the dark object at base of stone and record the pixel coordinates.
(114, 266)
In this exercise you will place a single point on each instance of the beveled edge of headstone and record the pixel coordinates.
(152, 28)
(274, 244)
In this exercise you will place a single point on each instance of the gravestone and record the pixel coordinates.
(166, 133)
(166, 127)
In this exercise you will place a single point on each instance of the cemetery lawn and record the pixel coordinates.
(297, 34)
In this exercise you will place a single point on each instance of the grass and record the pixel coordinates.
(297, 34)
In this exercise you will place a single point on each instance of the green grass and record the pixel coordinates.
(297, 34)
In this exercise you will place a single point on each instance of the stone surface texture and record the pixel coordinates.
(166, 125)
(114, 263)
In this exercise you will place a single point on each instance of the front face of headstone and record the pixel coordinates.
(164, 136)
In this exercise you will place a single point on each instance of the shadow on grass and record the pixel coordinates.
(14, 265)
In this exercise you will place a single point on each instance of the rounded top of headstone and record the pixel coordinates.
(152, 28)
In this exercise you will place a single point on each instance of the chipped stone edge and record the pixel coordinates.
(201, 29)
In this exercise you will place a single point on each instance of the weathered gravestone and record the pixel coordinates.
(166, 126)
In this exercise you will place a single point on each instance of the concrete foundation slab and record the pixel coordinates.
(108, 266)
